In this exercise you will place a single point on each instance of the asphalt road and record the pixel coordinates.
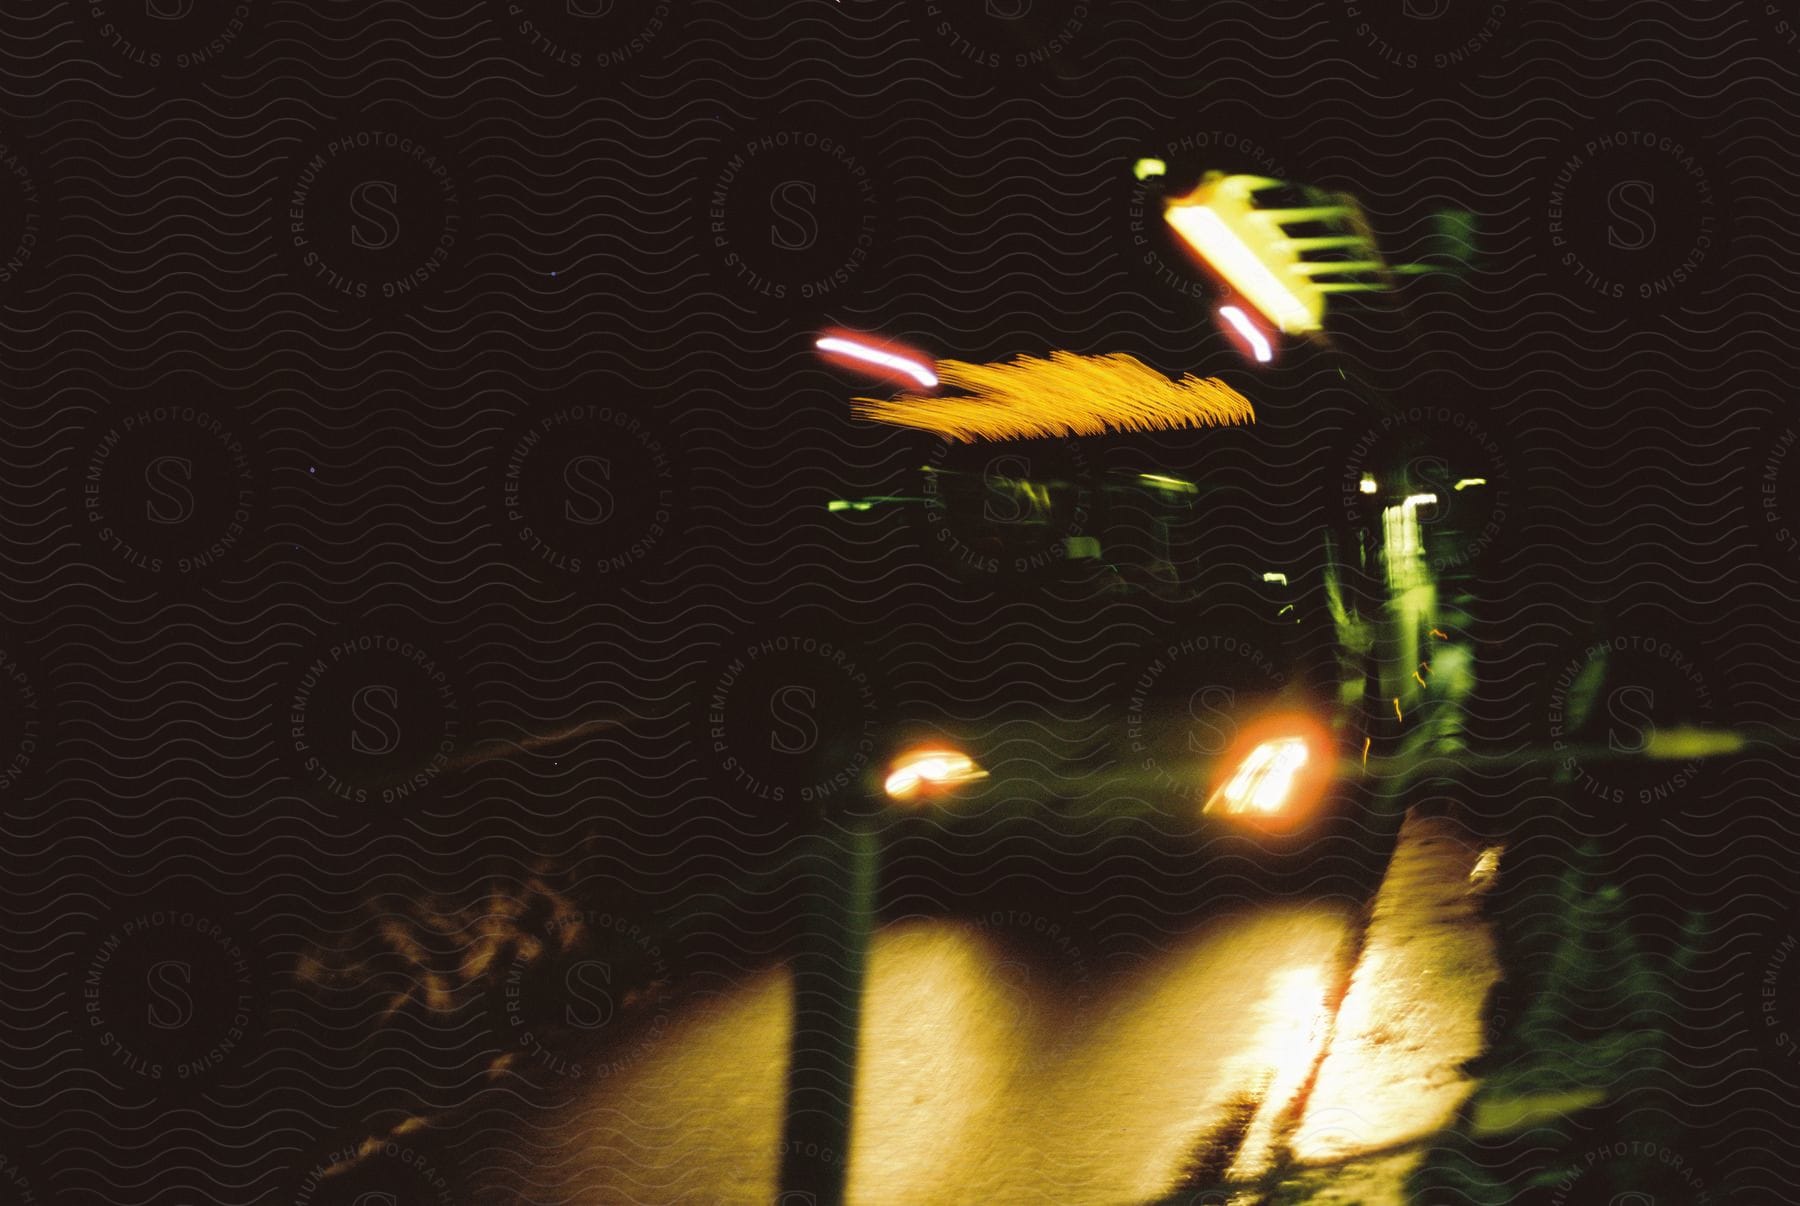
(1005, 1063)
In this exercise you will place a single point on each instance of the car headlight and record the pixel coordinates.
(930, 771)
(1276, 771)
(1264, 781)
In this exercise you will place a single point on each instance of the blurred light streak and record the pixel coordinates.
(834, 345)
(1237, 261)
(1240, 321)
(924, 771)
(1690, 742)
(1487, 867)
(1403, 549)
(1064, 395)
(1264, 781)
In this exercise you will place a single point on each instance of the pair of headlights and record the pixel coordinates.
(1276, 770)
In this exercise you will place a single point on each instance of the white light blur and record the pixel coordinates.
(1264, 779)
(1259, 343)
(860, 351)
(1221, 247)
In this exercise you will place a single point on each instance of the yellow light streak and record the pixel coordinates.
(1294, 307)
(1250, 249)
(1064, 395)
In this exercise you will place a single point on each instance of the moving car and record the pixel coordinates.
(1158, 667)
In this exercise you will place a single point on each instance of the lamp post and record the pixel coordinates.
(828, 972)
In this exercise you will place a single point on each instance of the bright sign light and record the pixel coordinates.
(1250, 249)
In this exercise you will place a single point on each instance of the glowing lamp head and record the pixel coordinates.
(930, 772)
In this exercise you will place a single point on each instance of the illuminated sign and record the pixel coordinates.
(1251, 248)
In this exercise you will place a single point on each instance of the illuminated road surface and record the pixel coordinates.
(990, 1076)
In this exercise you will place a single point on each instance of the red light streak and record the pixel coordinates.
(888, 357)
(1240, 322)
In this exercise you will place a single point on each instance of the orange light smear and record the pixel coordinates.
(1265, 779)
(929, 770)
(1397, 715)
(1066, 394)
(1417, 679)
(1275, 771)
(1440, 634)
(1366, 741)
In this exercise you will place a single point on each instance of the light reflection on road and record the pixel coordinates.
(991, 1071)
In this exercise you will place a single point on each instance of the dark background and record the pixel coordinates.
(307, 470)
